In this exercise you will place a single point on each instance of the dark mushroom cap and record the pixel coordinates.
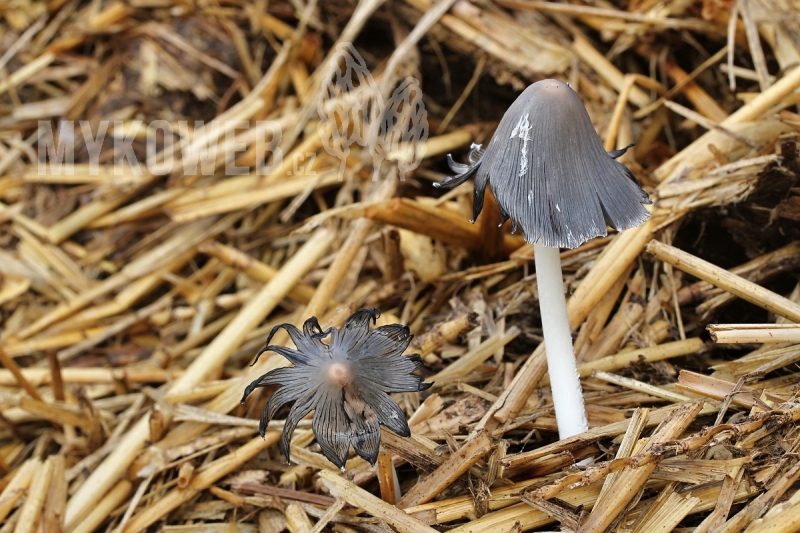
(346, 381)
(550, 174)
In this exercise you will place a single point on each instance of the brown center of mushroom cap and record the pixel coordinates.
(339, 372)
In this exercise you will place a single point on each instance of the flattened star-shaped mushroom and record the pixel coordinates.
(346, 380)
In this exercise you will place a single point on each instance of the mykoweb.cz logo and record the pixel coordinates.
(160, 147)
(353, 118)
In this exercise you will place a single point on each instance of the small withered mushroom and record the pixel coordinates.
(551, 176)
(346, 380)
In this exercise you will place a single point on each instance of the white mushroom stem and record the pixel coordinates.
(564, 378)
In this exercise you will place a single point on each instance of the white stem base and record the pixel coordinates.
(564, 378)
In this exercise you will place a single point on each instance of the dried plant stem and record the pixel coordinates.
(760, 268)
(651, 354)
(619, 109)
(227, 398)
(561, 364)
(640, 386)
(476, 75)
(55, 413)
(667, 511)
(754, 40)
(32, 508)
(43, 376)
(616, 258)
(132, 275)
(402, 50)
(623, 322)
(519, 460)
(438, 223)
(252, 267)
(56, 501)
(359, 230)
(19, 377)
(141, 209)
(243, 200)
(297, 519)
(324, 72)
(517, 393)
(720, 389)
(626, 447)
(682, 80)
(754, 333)
(783, 518)
(22, 41)
(701, 100)
(783, 357)
(182, 241)
(528, 518)
(104, 507)
(760, 504)
(201, 481)
(328, 516)
(18, 486)
(22, 74)
(474, 358)
(706, 122)
(442, 333)
(632, 478)
(79, 218)
(593, 59)
(254, 311)
(459, 462)
(698, 153)
(357, 496)
(387, 478)
(726, 280)
(117, 327)
(726, 495)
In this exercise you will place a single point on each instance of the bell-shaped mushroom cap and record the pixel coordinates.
(550, 174)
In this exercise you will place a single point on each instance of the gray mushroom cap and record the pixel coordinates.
(345, 376)
(550, 174)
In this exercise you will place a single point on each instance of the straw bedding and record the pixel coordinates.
(139, 280)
